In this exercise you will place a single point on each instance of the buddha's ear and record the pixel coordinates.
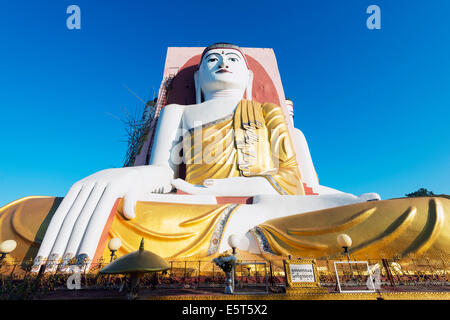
(198, 90)
(249, 85)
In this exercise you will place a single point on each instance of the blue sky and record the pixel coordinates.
(373, 104)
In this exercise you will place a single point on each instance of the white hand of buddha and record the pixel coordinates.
(78, 223)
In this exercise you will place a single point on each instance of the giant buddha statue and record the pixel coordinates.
(224, 146)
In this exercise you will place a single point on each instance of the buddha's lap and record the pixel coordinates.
(394, 227)
(388, 228)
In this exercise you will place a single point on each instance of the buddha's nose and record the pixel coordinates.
(222, 64)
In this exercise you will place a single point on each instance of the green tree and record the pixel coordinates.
(422, 192)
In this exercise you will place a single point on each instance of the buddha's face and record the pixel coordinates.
(223, 69)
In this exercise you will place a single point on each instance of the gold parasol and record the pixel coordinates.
(140, 261)
(136, 264)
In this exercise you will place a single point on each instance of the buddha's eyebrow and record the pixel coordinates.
(210, 55)
(233, 53)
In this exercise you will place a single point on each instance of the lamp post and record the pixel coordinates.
(6, 247)
(114, 245)
(345, 242)
(233, 241)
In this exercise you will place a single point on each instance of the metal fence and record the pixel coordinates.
(17, 282)
(413, 271)
(207, 274)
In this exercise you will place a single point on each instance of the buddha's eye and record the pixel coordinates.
(212, 59)
(233, 59)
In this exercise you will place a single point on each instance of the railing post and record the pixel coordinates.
(285, 273)
(12, 272)
(271, 273)
(198, 273)
(265, 276)
(388, 271)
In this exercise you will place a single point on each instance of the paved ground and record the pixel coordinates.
(218, 293)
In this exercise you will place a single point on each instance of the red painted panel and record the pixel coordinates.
(308, 190)
(102, 243)
(182, 87)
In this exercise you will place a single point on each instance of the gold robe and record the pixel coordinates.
(253, 142)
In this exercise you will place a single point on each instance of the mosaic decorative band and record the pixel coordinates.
(262, 240)
(219, 228)
(275, 184)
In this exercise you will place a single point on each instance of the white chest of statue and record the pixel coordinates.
(199, 114)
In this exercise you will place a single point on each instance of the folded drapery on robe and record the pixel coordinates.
(254, 141)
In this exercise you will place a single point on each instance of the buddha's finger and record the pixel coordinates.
(129, 205)
(66, 244)
(64, 232)
(83, 219)
(184, 186)
(180, 184)
(96, 225)
(54, 226)
(219, 186)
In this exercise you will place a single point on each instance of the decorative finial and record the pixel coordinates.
(141, 247)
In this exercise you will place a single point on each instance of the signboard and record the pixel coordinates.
(302, 273)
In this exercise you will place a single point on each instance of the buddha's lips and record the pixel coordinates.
(222, 71)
